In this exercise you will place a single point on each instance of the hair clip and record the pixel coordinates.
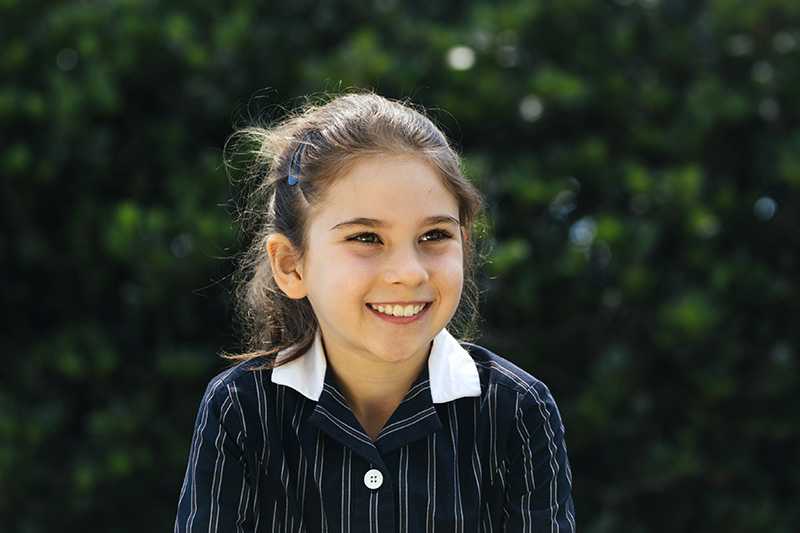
(294, 166)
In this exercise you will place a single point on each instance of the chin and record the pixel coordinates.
(395, 355)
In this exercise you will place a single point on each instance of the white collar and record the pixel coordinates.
(451, 370)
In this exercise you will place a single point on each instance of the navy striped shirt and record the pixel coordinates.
(477, 445)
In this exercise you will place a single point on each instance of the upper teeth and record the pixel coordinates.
(398, 310)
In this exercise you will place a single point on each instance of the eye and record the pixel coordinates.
(365, 238)
(439, 235)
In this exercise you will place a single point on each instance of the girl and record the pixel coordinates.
(356, 409)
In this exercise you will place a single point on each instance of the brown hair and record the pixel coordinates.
(333, 133)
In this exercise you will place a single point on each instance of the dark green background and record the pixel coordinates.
(641, 160)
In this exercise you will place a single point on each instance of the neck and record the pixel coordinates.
(374, 389)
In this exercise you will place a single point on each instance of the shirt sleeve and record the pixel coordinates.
(539, 491)
(217, 494)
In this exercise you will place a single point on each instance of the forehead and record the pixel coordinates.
(395, 189)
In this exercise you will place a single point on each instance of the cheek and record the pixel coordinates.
(347, 275)
(449, 268)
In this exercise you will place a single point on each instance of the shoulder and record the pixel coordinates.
(235, 399)
(241, 379)
(522, 401)
(497, 371)
(526, 399)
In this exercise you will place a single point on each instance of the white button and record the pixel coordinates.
(373, 479)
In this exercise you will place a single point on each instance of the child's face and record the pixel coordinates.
(406, 260)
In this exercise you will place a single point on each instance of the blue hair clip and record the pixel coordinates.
(294, 166)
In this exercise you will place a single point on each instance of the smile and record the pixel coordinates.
(398, 314)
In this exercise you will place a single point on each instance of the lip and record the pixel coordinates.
(401, 319)
(402, 303)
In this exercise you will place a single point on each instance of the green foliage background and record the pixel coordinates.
(642, 164)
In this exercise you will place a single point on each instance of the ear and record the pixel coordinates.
(286, 267)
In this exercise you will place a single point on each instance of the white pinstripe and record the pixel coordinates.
(406, 422)
(458, 509)
(551, 447)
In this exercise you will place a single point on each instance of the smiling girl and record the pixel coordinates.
(355, 408)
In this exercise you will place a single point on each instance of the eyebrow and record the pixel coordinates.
(375, 223)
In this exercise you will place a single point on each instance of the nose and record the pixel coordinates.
(405, 266)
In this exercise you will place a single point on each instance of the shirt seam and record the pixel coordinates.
(236, 412)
